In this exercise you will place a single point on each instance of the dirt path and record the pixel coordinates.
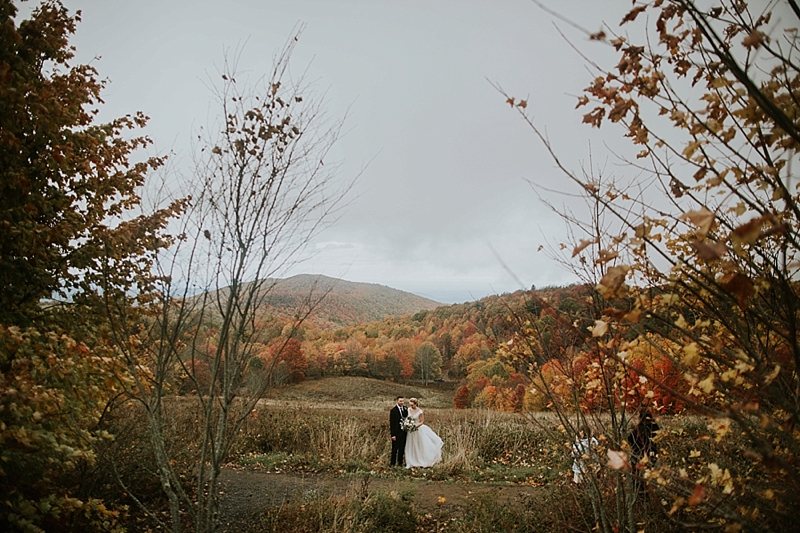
(246, 493)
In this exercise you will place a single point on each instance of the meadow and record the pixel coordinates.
(324, 447)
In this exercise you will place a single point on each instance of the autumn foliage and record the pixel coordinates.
(291, 353)
(694, 258)
(689, 302)
(70, 243)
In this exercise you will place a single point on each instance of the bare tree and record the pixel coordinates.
(262, 188)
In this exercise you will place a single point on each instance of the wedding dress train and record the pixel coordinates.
(423, 446)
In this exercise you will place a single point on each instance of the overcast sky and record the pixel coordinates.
(449, 160)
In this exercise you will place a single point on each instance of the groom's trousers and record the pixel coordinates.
(398, 450)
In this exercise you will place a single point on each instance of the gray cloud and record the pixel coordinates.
(448, 158)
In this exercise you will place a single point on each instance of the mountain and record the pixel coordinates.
(347, 303)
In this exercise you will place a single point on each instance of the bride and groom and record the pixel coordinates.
(418, 443)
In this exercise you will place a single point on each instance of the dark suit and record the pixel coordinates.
(399, 442)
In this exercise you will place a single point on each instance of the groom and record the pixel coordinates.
(396, 415)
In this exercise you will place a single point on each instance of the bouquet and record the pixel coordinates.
(408, 424)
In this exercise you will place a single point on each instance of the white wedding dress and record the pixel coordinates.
(423, 446)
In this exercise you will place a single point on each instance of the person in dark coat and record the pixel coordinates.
(396, 416)
(641, 442)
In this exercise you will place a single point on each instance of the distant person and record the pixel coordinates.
(396, 417)
(584, 446)
(641, 442)
(423, 445)
(641, 439)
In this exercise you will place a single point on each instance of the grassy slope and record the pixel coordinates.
(358, 392)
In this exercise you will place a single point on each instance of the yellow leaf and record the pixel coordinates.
(633, 317)
(604, 256)
(707, 385)
(677, 504)
(599, 329)
(772, 375)
(713, 125)
(670, 299)
(721, 426)
(612, 281)
(755, 39)
(691, 354)
(691, 148)
(720, 82)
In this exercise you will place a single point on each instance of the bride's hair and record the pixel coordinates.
(413, 400)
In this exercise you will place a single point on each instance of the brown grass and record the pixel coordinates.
(321, 431)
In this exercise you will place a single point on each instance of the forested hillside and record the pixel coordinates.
(456, 343)
(345, 303)
(486, 349)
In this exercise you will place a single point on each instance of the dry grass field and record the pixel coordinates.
(361, 393)
(315, 457)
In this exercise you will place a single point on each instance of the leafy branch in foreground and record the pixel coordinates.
(697, 257)
(70, 241)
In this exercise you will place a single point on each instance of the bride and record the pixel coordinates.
(423, 446)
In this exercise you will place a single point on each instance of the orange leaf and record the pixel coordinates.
(632, 14)
(582, 245)
(698, 495)
(634, 316)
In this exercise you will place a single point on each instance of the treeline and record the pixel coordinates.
(441, 343)
(475, 345)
